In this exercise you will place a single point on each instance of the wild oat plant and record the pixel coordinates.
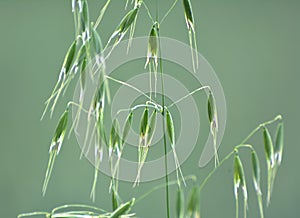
(86, 46)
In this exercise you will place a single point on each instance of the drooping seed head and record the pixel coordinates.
(256, 171)
(97, 43)
(127, 127)
(123, 209)
(98, 103)
(83, 74)
(279, 143)
(144, 123)
(60, 132)
(114, 139)
(193, 203)
(189, 18)
(211, 109)
(124, 25)
(170, 128)
(236, 176)
(269, 150)
(151, 127)
(85, 18)
(68, 59)
(241, 176)
(153, 45)
(180, 204)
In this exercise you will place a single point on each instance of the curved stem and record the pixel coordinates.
(174, 182)
(128, 85)
(279, 117)
(214, 170)
(186, 96)
(168, 12)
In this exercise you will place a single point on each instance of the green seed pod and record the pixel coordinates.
(279, 143)
(170, 128)
(151, 127)
(256, 171)
(153, 45)
(83, 74)
(114, 139)
(189, 18)
(236, 176)
(144, 123)
(193, 203)
(127, 127)
(96, 41)
(115, 202)
(124, 25)
(81, 54)
(123, 209)
(269, 150)
(180, 204)
(211, 109)
(59, 132)
(68, 59)
(85, 16)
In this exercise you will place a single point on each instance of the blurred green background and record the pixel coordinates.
(253, 46)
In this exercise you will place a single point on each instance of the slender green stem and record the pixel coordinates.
(77, 206)
(128, 85)
(164, 124)
(33, 214)
(174, 182)
(214, 170)
(168, 12)
(186, 96)
(148, 12)
(279, 117)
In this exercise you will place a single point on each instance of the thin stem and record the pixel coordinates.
(164, 129)
(77, 206)
(279, 117)
(168, 12)
(214, 170)
(148, 12)
(77, 105)
(174, 182)
(136, 107)
(101, 14)
(128, 85)
(186, 96)
(33, 214)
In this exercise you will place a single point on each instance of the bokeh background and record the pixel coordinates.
(253, 46)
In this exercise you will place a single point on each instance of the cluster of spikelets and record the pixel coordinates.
(273, 155)
(86, 46)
